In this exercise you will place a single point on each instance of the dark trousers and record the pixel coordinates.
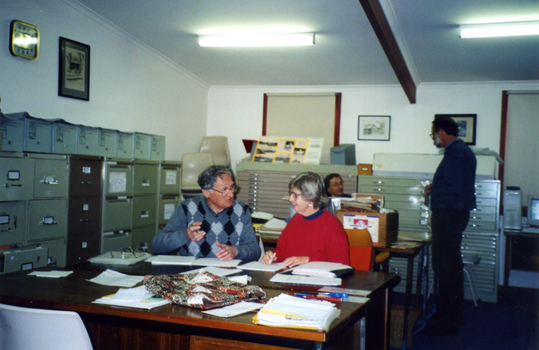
(447, 228)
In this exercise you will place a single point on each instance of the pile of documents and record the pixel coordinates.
(137, 297)
(273, 227)
(360, 204)
(190, 260)
(321, 269)
(293, 312)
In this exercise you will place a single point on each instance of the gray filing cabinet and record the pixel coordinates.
(481, 238)
(146, 187)
(264, 186)
(170, 180)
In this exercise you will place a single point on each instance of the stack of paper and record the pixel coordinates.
(273, 227)
(120, 258)
(114, 278)
(308, 280)
(258, 266)
(320, 269)
(138, 298)
(293, 312)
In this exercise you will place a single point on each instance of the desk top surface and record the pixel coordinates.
(75, 293)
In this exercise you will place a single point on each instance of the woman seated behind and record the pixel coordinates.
(313, 234)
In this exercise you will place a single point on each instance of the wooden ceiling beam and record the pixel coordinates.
(381, 27)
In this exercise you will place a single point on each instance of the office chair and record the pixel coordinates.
(192, 165)
(362, 256)
(217, 146)
(24, 328)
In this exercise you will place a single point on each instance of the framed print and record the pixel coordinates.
(467, 126)
(74, 72)
(374, 127)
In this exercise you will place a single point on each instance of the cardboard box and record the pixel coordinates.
(383, 228)
(364, 169)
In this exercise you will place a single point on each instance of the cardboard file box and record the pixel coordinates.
(364, 169)
(383, 228)
(124, 147)
(64, 136)
(87, 140)
(107, 142)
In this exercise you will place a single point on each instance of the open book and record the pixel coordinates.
(322, 269)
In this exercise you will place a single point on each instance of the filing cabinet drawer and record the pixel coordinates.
(142, 237)
(47, 219)
(115, 241)
(167, 206)
(82, 247)
(57, 251)
(16, 179)
(21, 259)
(117, 214)
(118, 179)
(146, 177)
(12, 222)
(84, 215)
(144, 210)
(50, 178)
(85, 177)
(170, 178)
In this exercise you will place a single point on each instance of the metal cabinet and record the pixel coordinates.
(16, 177)
(264, 187)
(481, 238)
(12, 222)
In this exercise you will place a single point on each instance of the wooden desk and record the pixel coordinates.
(419, 248)
(179, 327)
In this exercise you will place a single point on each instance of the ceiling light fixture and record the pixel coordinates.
(490, 30)
(256, 40)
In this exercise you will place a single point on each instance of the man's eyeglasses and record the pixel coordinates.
(127, 251)
(336, 184)
(226, 190)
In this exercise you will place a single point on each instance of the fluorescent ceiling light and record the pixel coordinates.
(489, 30)
(256, 40)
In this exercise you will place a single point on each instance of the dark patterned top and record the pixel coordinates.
(202, 289)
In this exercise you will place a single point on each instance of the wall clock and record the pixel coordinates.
(24, 40)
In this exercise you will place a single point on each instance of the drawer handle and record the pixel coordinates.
(86, 182)
(84, 220)
(49, 180)
(378, 189)
(10, 185)
(48, 220)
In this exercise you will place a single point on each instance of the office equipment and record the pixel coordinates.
(533, 210)
(344, 154)
(512, 208)
(24, 328)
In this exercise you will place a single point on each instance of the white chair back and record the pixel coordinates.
(218, 147)
(24, 328)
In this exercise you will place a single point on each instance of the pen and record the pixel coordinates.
(309, 296)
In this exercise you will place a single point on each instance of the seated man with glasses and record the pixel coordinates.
(213, 225)
(334, 186)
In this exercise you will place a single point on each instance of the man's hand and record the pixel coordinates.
(427, 190)
(227, 252)
(193, 231)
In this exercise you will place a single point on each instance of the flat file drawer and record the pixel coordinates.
(144, 210)
(118, 179)
(12, 222)
(117, 214)
(47, 219)
(84, 215)
(85, 177)
(16, 179)
(50, 177)
(145, 178)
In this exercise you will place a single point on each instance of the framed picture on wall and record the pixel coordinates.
(74, 72)
(374, 127)
(467, 126)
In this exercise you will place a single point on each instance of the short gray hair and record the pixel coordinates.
(209, 176)
(311, 186)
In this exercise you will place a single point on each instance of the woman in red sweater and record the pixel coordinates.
(313, 234)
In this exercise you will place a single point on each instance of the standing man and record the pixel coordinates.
(213, 225)
(452, 197)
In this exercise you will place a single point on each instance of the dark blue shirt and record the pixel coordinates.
(453, 186)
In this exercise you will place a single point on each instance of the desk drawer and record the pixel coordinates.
(47, 219)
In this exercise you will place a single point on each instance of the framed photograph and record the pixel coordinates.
(74, 72)
(467, 126)
(374, 127)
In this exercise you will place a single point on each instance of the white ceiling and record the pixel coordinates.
(347, 51)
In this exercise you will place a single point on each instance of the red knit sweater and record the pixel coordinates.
(320, 237)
